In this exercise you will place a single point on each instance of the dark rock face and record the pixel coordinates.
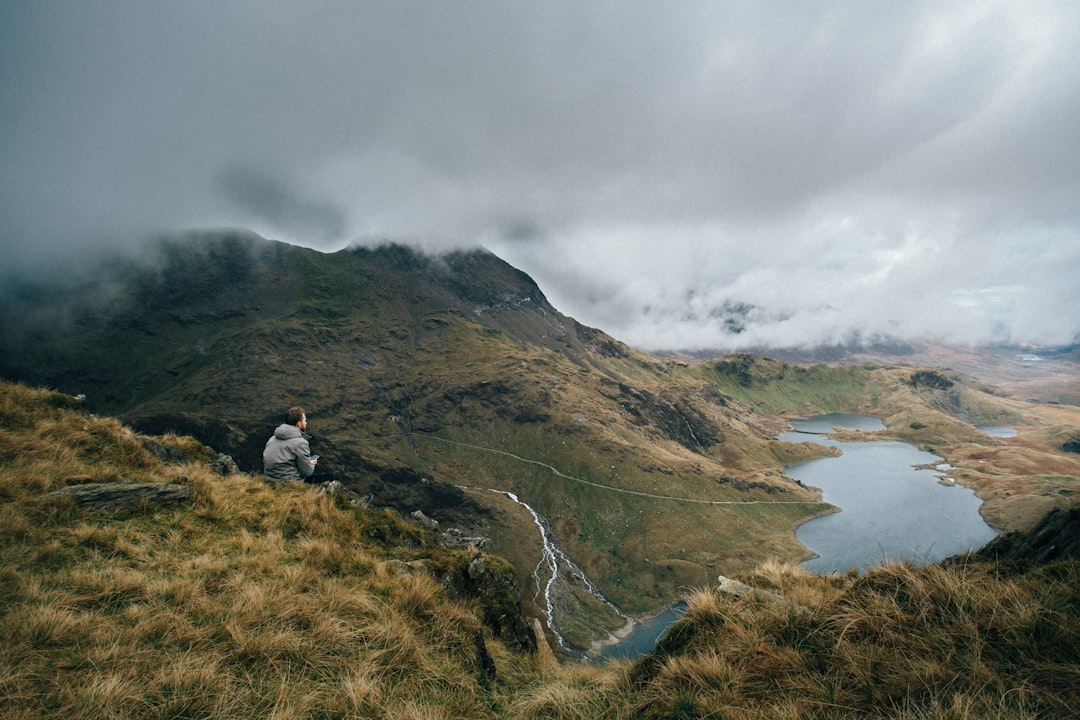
(675, 420)
(739, 366)
(1056, 537)
(245, 448)
(407, 491)
(930, 379)
(493, 582)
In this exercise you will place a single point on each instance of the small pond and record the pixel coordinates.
(643, 638)
(998, 431)
(891, 508)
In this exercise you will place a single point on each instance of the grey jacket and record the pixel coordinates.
(287, 455)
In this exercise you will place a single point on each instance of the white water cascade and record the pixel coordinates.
(547, 572)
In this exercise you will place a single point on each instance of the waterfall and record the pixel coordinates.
(546, 572)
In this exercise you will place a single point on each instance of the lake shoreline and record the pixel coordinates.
(886, 511)
(596, 651)
(831, 510)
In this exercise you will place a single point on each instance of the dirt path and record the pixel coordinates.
(639, 493)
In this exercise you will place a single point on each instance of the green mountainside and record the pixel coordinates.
(450, 385)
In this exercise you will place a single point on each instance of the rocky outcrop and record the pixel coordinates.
(124, 496)
(491, 580)
(930, 379)
(675, 419)
(734, 588)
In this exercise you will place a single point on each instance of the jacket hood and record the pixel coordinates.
(287, 432)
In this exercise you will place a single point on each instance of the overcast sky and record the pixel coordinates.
(830, 169)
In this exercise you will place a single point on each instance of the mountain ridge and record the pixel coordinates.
(449, 384)
(214, 335)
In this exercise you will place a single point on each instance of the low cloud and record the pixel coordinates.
(270, 201)
(703, 175)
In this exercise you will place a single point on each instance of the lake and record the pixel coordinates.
(891, 510)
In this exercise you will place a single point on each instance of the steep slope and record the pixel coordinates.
(450, 385)
(429, 383)
(238, 600)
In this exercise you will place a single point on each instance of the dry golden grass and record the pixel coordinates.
(248, 601)
(899, 642)
(574, 692)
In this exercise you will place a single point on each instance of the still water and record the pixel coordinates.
(998, 431)
(890, 510)
(643, 638)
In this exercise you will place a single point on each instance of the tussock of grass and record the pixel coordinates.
(903, 642)
(251, 601)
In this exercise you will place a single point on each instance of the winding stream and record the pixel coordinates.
(548, 576)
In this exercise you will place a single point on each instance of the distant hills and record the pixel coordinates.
(449, 384)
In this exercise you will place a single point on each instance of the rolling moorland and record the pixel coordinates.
(451, 386)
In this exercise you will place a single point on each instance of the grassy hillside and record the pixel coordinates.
(243, 601)
(421, 375)
(444, 383)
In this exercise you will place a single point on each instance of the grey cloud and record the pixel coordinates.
(271, 201)
(844, 168)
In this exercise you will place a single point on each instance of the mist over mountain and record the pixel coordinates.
(846, 172)
(449, 384)
(432, 382)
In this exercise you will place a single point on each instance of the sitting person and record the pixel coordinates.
(287, 456)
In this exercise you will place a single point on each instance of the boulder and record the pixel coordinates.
(418, 517)
(734, 588)
(124, 496)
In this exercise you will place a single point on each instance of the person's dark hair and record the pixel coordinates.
(295, 414)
